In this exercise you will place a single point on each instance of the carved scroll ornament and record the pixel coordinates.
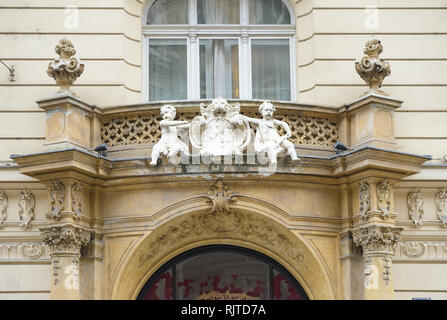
(371, 68)
(441, 205)
(3, 206)
(77, 199)
(221, 218)
(365, 198)
(384, 197)
(26, 208)
(415, 202)
(57, 195)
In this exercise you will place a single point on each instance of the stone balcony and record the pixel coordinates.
(131, 131)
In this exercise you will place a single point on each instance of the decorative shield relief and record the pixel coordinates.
(220, 130)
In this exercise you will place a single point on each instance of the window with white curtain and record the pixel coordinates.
(235, 49)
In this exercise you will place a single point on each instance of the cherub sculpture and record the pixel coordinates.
(170, 144)
(268, 138)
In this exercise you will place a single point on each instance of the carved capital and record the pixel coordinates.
(415, 201)
(371, 68)
(65, 239)
(65, 69)
(377, 241)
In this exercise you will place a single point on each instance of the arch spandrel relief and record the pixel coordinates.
(247, 229)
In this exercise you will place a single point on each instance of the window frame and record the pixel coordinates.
(244, 32)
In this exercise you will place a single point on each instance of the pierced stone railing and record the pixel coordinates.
(138, 126)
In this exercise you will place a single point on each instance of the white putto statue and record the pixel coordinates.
(267, 136)
(170, 144)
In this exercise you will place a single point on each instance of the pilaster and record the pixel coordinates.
(376, 234)
(65, 242)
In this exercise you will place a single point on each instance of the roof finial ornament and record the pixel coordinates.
(371, 68)
(67, 68)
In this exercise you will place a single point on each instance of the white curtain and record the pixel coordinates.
(168, 12)
(218, 11)
(219, 68)
(268, 12)
(167, 69)
(270, 62)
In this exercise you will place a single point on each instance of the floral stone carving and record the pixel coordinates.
(3, 206)
(221, 218)
(377, 241)
(441, 205)
(415, 202)
(384, 197)
(26, 208)
(371, 68)
(57, 195)
(413, 249)
(365, 198)
(66, 238)
(67, 68)
(76, 198)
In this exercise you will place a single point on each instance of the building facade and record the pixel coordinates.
(148, 149)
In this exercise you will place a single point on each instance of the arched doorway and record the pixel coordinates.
(222, 272)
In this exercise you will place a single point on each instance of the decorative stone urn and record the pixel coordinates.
(371, 68)
(65, 69)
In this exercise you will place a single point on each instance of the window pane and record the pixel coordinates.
(283, 289)
(161, 289)
(168, 12)
(219, 68)
(268, 12)
(167, 69)
(217, 274)
(218, 11)
(270, 61)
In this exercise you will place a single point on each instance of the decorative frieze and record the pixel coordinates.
(441, 205)
(421, 250)
(371, 68)
(26, 205)
(17, 251)
(415, 203)
(384, 197)
(365, 198)
(3, 207)
(57, 197)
